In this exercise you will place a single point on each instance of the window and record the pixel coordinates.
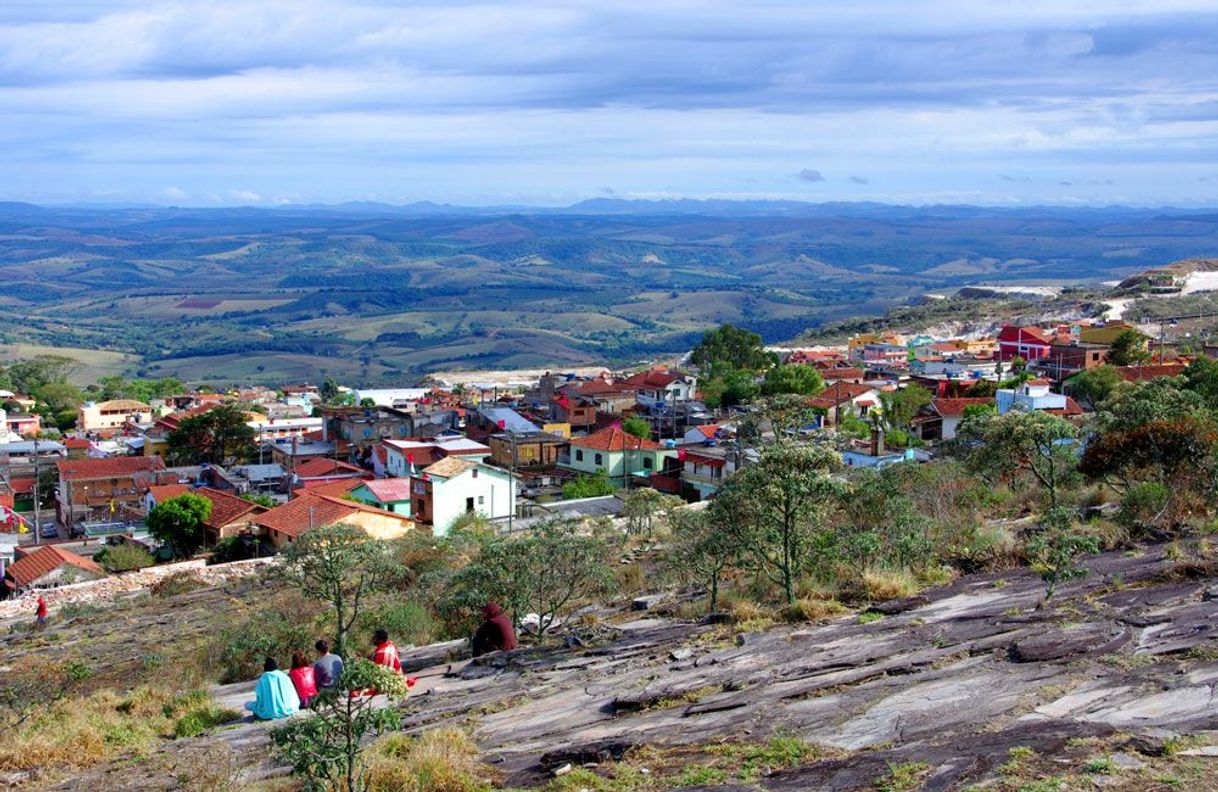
(647, 463)
(474, 473)
(579, 455)
(481, 500)
(599, 460)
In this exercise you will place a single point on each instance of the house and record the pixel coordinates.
(263, 479)
(843, 399)
(392, 495)
(397, 398)
(884, 353)
(489, 420)
(336, 488)
(660, 384)
(268, 428)
(284, 524)
(1104, 334)
(364, 427)
(527, 450)
(322, 469)
(610, 398)
(706, 471)
(22, 456)
(579, 412)
(702, 434)
(89, 485)
(159, 493)
(406, 457)
(851, 374)
(22, 424)
(108, 417)
(1032, 395)
(289, 453)
(230, 516)
(1065, 360)
(47, 567)
(617, 453)
(455, 486)
(940, 419)
(1029, 343)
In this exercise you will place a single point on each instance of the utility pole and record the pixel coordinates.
(511, 480)
(37, 498)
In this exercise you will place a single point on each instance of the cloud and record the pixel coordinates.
(860, 180)
(344, 99)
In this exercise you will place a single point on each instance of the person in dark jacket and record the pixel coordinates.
(496, 633)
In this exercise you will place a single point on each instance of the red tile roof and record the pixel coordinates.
(708, 430)
(335, 487)
(226, 508)
(76, 442)
(954, 408)
(612, 438)
(107, 468)
(841, 373)
(163, 492)
(48, 558)
(297, 515)
(702, 459)
(1072, 408)
(1013, 334)
(601, 388)
(840, 391)
(1144, 373)
(21, 484)
(319, 467)
(651, 379)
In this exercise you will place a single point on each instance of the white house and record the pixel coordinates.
(1031, 395)
(407, 457)
(454, 486)
(398, 398)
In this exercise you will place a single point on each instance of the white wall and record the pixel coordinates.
(448, 497)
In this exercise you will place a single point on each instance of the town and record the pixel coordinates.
(275, 462)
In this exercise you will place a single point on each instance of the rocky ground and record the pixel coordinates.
(1113, 683)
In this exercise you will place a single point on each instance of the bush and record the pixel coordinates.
(177, 583)
(1144, 505)
(407, 622)
(273, 632)
(802, 610)
(124, 558)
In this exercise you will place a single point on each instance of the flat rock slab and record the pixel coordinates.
(1086, 639)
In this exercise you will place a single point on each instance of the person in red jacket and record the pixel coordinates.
(496, 633)
(40, 615)
(302, 678)
(386, 652)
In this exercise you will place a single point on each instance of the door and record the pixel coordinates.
(469, 504)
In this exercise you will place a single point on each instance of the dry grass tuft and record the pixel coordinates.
(812, 610)
(879, 585)
(441, 760)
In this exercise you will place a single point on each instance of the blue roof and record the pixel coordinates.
(27, 447)
(512, 420)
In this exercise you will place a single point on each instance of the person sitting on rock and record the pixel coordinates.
(496, 633)
(274, 696)
(302, 678)
(328, 667)
(386, 653)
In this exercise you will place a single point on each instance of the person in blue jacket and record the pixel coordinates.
(275, 695)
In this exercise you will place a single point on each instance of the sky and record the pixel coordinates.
(266, 102)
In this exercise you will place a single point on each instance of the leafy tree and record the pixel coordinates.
(883, 526)
(329, 390)
(124, 558)
(729, 388)
(58, 401)
(220, 436)
(1128, 349)
(585, 485)
(32, 374)
(900, 406)
(177, 523)
(1134, 404)
(982, 389)
(1201, 377)
(1091, 386)
(341, 566)
(729, 348)
(1035, 441)
(703, 547)
(1018, 365)
(367, 402)
(638, 427)
(781, 506)
(325, 748)
(543, 571)
(261, 500)
(48, 483)
(1053, 550)
(796, 378)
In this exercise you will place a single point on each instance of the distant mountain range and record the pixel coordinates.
(374, 293)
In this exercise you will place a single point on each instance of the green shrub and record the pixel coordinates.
(407, 622)
(242, 649)
(202, 718)
(177, 583)
(124, 558)
(1144, 504)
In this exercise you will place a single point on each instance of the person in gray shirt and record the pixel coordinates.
(328, 667)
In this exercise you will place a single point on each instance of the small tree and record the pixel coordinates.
(219, 436)
(1091, 386)
(594, 485)
(794, 378)
(1054, 549)
(1128, 349)
(780, 507)
(1033, 441)
(341, 566)
(544, 571)
(638, 427)
(900, 406)
(324, 748)
(702, 548)
(177, 523)
(641, 507)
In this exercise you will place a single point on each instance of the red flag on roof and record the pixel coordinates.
(681, 454)
(410, 457)
(502, 423)
(564, 402)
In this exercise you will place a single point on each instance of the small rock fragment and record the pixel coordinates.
(1124, 761)
(1151, 742)
(562, 770)
(681, 654)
